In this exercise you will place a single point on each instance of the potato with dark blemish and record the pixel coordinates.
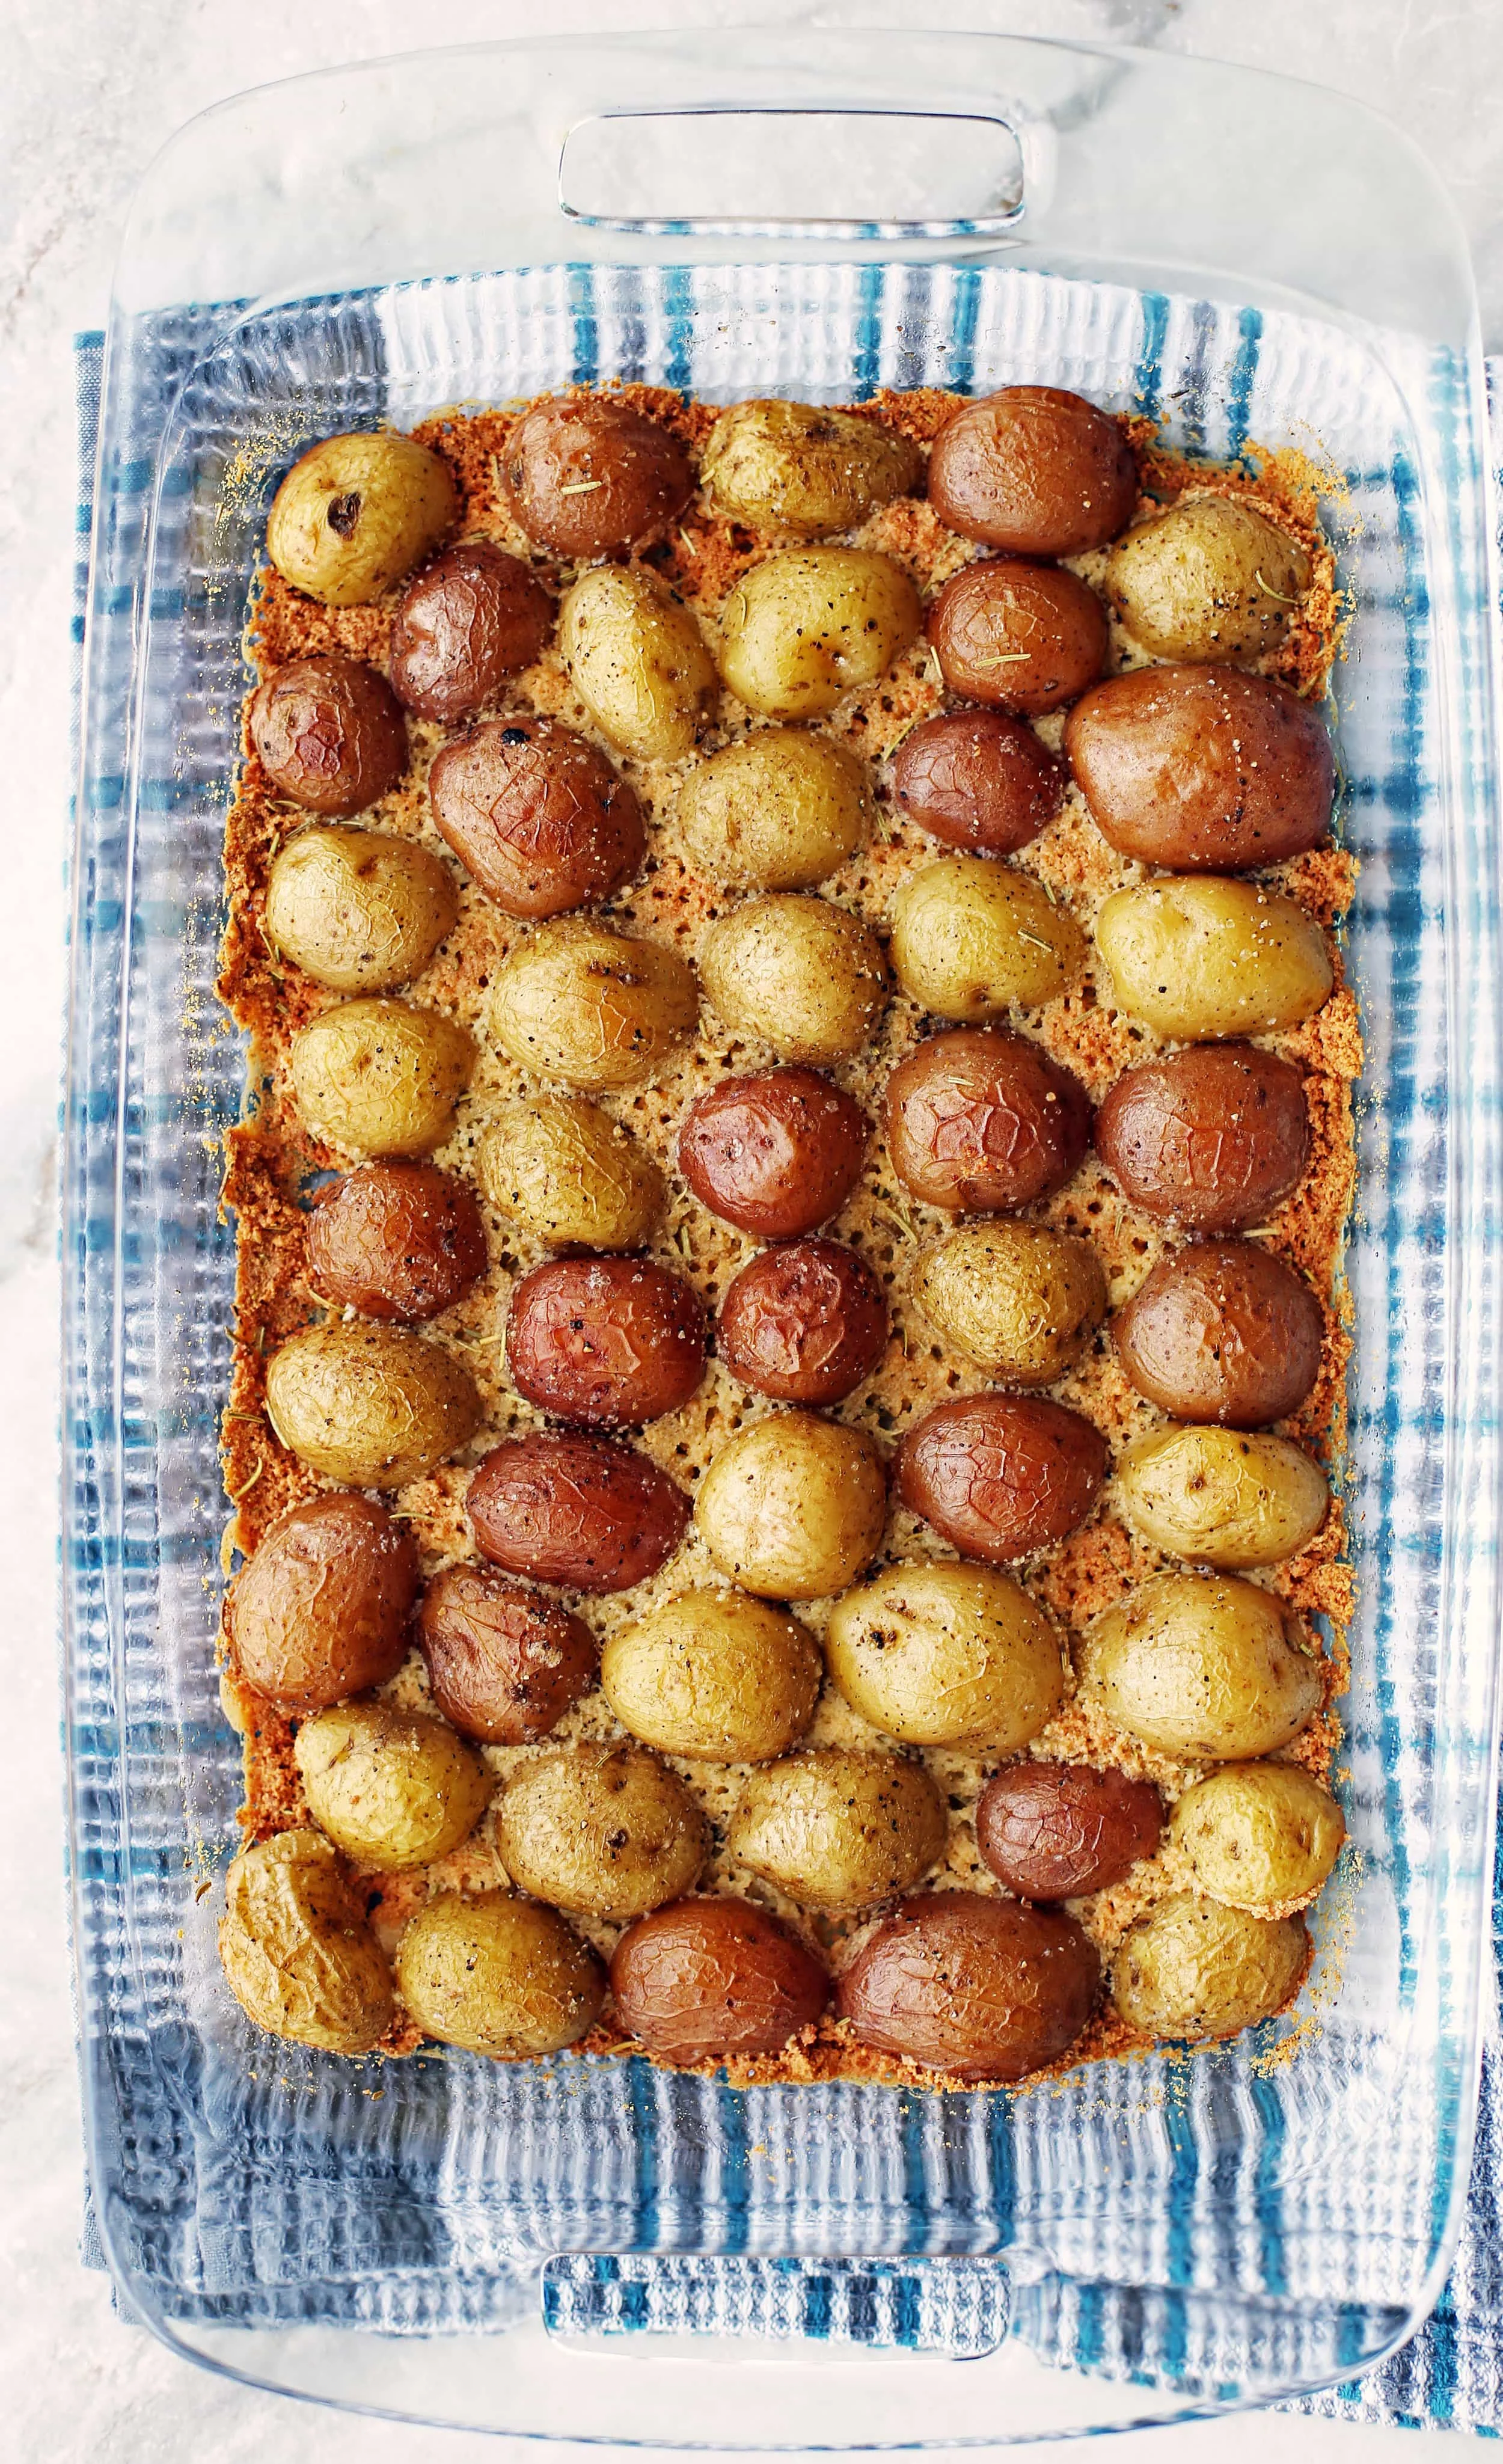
(638, 661)
(381, 1077)
(295, 1950)
(808, 626)
(973, 938)
(1223, 1496)
(600, 1009)
(356, 514)
(1208, 578)
(536, 816)
(1202, 1667)
(1260, 1836)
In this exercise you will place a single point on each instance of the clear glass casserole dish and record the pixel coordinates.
(1248, 260)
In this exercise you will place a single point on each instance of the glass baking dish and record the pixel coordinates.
(580, 2249)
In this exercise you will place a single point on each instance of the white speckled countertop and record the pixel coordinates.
(89, 89)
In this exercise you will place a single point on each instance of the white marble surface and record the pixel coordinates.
(88, 90)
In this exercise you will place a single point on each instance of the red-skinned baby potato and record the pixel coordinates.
(321, 1611)
(804, 1324)
(979, 780)
(472, 617)
(1215, 1138)
(707, 1980)
(504, 1663)
(977, 1987)
(1035, 471)
(1018, 636)
(396, 1240)
(589, 475)
(981, 1120)
(1202, 769)
(1001, 1475)
(1222, 1331)
(1056, 1831)
(329, 733)
(775, 1155)
(610, 1342)
(535, 815)
(575, 1510)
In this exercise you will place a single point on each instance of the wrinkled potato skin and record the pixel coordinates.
(358, 910)
(793, 1507)
(395, 1241)
(329, 733)
(708, 1979)
(356, 512)
(605, 1342)
(1208, 579)
(979, 780)
(1223, 1496)
(1057, 1831)
(1018, 637)
(780, 810)
(392, 1789)
(504, 1663)
(1215, 1138)
(1035, 471)
(1195, 1971)
(805, 628)
(371, 1406)
(1199, 960)
(638, 661)
(980, 1988)
(1222, 1331)
(497, 1975)
(982, 1121)
(804, 1324)
(790, 466)
(777, 1153)
(1261, 1835)
(589, 476)
(839, 1829)
(535, 815)
(591, 1006)
(1203, 1668)
(1202, 769)
(798, 973)
(473, 617)
(295, 1950)
(603, 1829)
(1020, 1300)
(381, 1077)
(1001, 1475)
(947, 1654)
(563, 1169)
(713, 1676)
(972, 938)
(575, 1510)
(320, 1610)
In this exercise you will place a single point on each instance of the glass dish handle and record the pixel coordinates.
(959, 2307)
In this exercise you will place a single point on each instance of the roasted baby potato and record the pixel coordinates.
(1035, 471)
(1222, 1331)
(1056, 1831)
(972, 939)
(395, 1240)
(1210, 578)
(329, 733)
(713, 1676)
(497, 1975)
(372, 1406)
(575, 1510)
(978, 1988)
(381, 1077)
(1222, 1496)
(537, 815)
(472, 617)
(1197, 959)
(1202, 1667)
(321, 1611)
(1260, 1836)
(793, 1507)
(1202, 769)
(775, 1155)
(800, 974)
(356, 514)
(589, 475)
(1019, 637)
(504, 1663)
(562, 1169)
(393, 1788)
(706, 1980)
(581, 1002)
(839, 1829)
(804, 1324)
(1193, 1969)
(638, 661)
(780, 810)
(979, 780)
(1215, 1138)
(295, 1950)
(808, 626)
(947, 1654)
(358, 910)
(791, 465)
(1001, 1475)
(608, 1342)
(981, 1121)
(1021, 1301)
(604, 1830)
